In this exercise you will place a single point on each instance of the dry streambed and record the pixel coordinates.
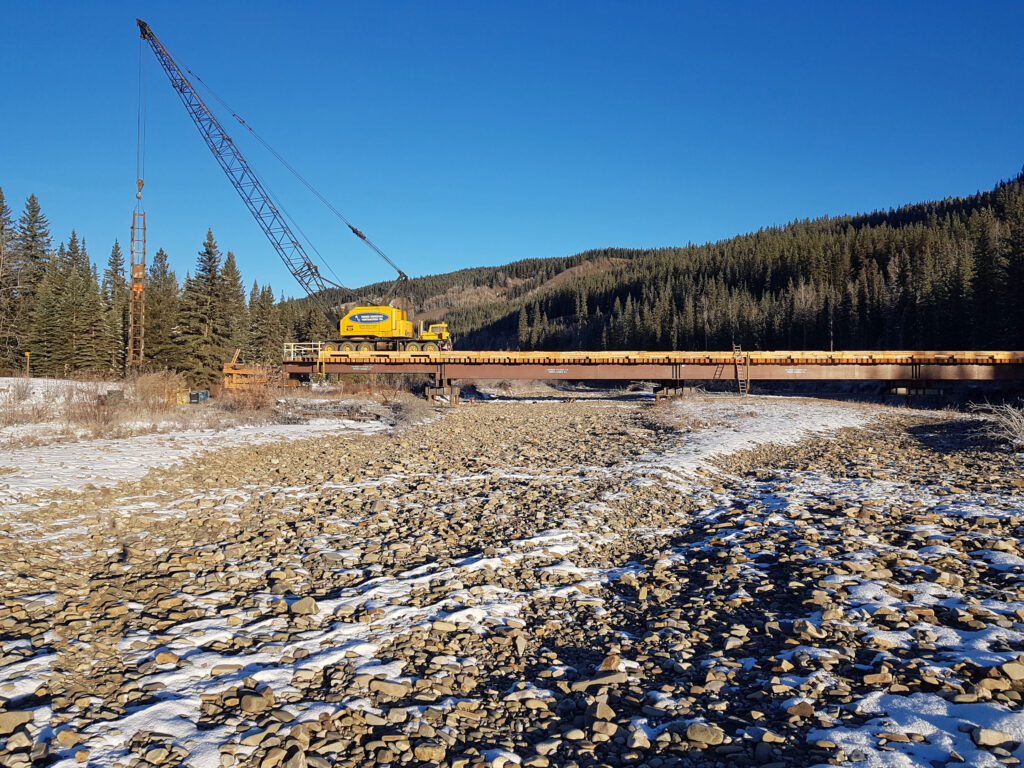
(539, 584)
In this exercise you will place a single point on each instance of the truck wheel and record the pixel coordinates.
(365, 347)
(347, 346)
(414, 347)
(430, 347)
(329, 347)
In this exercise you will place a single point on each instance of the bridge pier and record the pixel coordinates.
(912, 388)
(672, 389)
(443, 388)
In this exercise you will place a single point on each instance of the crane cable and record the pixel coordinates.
(302, 179)
(140, 133)
(277, 202)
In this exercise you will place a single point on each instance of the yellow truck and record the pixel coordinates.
(384, 328)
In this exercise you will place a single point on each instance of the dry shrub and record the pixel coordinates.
(257, 398)
(1006, 424)
(155, 392)
(250, 400)
(17, 407)
(19, 391)
(409, 410)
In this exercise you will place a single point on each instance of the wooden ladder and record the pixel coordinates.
(742, 370)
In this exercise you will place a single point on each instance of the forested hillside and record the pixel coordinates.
(940, 275)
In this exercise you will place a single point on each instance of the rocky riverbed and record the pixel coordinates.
(598, 582)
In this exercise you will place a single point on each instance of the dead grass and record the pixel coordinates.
(410, 410)
(36, 412)
(39, 412)
(663, 414)
(1005, 424)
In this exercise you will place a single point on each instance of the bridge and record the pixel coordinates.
(913, 369)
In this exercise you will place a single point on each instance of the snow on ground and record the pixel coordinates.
(26, 393)
(724, 426)
(732, 425)
(71, 466)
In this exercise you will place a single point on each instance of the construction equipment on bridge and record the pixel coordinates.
(368, 329)
(392, 332)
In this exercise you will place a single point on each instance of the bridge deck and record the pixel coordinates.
(676, 366)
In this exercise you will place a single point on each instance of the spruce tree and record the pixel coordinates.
(30, 247)
(316, 326)
(8, 290)
(234, 305)
(989, 281)
(80, 310)
(114, 293)
(162, 296)
(1013, 254)
(93, 355)
(266, 334)
(253, 345)
(523, 330)
(290, 319)
(46, 337)
(203, 329)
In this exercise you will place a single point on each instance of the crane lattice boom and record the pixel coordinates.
(241, 176)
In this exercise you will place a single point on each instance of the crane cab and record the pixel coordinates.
(379, 322)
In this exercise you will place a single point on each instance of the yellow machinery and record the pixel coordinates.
(384, 328)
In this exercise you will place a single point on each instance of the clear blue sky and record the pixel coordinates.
(467, 133)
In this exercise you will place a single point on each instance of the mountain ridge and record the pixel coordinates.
(910, 276)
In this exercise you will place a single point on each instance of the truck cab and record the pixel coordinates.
(435, 332)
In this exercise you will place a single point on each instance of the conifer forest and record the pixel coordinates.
(942, 275)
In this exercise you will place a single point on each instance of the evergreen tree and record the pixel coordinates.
(66, 329)
(30, 247)
(316, 326)
(8, 290)
(46, 335)
(1013, 253)
(203, 329)
(523, 329)
(80, 309)
(266, 334)
(162, 295)
(290, 321)
(989, 281)
(234, 305)
(115, 297)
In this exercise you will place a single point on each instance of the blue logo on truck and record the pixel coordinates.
(367, 318)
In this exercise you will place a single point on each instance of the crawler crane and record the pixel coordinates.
(363, 328)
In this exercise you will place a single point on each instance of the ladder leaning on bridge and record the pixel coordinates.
(742, 370)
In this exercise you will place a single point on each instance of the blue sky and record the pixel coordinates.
(458, 134)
